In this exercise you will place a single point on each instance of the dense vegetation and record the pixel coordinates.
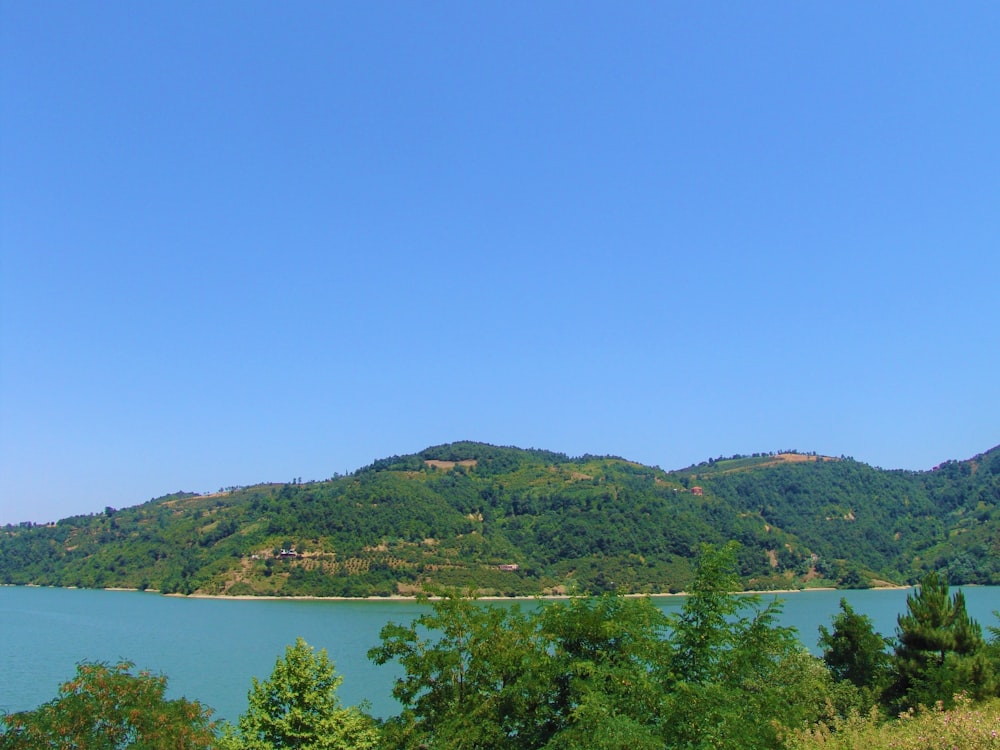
(508, 521)
(110, 707)
(599, 672)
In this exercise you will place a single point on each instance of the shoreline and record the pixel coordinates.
(416, 598)
(494, 598)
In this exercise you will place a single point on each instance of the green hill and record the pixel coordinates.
(508, 521)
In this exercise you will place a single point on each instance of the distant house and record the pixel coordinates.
(288, 553)
(696, 491)
(510, 567)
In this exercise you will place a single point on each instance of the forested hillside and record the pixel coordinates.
(508, 521)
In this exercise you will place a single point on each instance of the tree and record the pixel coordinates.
(734, 679)
(606, 656)
(702, 635)
(603, 672)
(573, 674)
(298, 707)
(110, 708)
(853, 651)
(940, 650)
(475, 676)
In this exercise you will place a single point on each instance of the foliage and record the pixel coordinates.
(605, 671)
(734, 678)
(463, 514)
(491, 676)
(940, 650)
(474, 677)
(298, 707)
(110, 708)
(855, 653)
(966, 726)
(863, 523)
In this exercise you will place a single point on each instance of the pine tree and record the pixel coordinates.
(940, 650)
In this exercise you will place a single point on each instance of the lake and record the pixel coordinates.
(210, 648)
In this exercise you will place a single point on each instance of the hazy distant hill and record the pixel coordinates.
(511, 521)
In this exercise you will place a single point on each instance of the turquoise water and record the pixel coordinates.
(210, 648)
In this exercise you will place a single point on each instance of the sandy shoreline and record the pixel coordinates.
(408, 598)
(544, 597)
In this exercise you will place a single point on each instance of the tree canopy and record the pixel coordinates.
(108, 707)
(605, 671)
(940, 650)
(298, 707)
(853, 651)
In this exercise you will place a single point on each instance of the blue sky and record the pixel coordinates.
(248, 241)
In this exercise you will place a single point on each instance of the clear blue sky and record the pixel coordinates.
(252, 241)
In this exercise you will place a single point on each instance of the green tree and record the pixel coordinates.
(110, 708)
(940, 650)
(298, 707)
(702, 633)
(603, 672)
(853, 651)
(734, 676)
(475, 676)
(606, 656)
(479, 676)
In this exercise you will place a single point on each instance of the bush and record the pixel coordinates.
(967, 726)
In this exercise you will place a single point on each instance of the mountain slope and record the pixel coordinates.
(512, 521)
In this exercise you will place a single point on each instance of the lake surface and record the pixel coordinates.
(210, 648)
